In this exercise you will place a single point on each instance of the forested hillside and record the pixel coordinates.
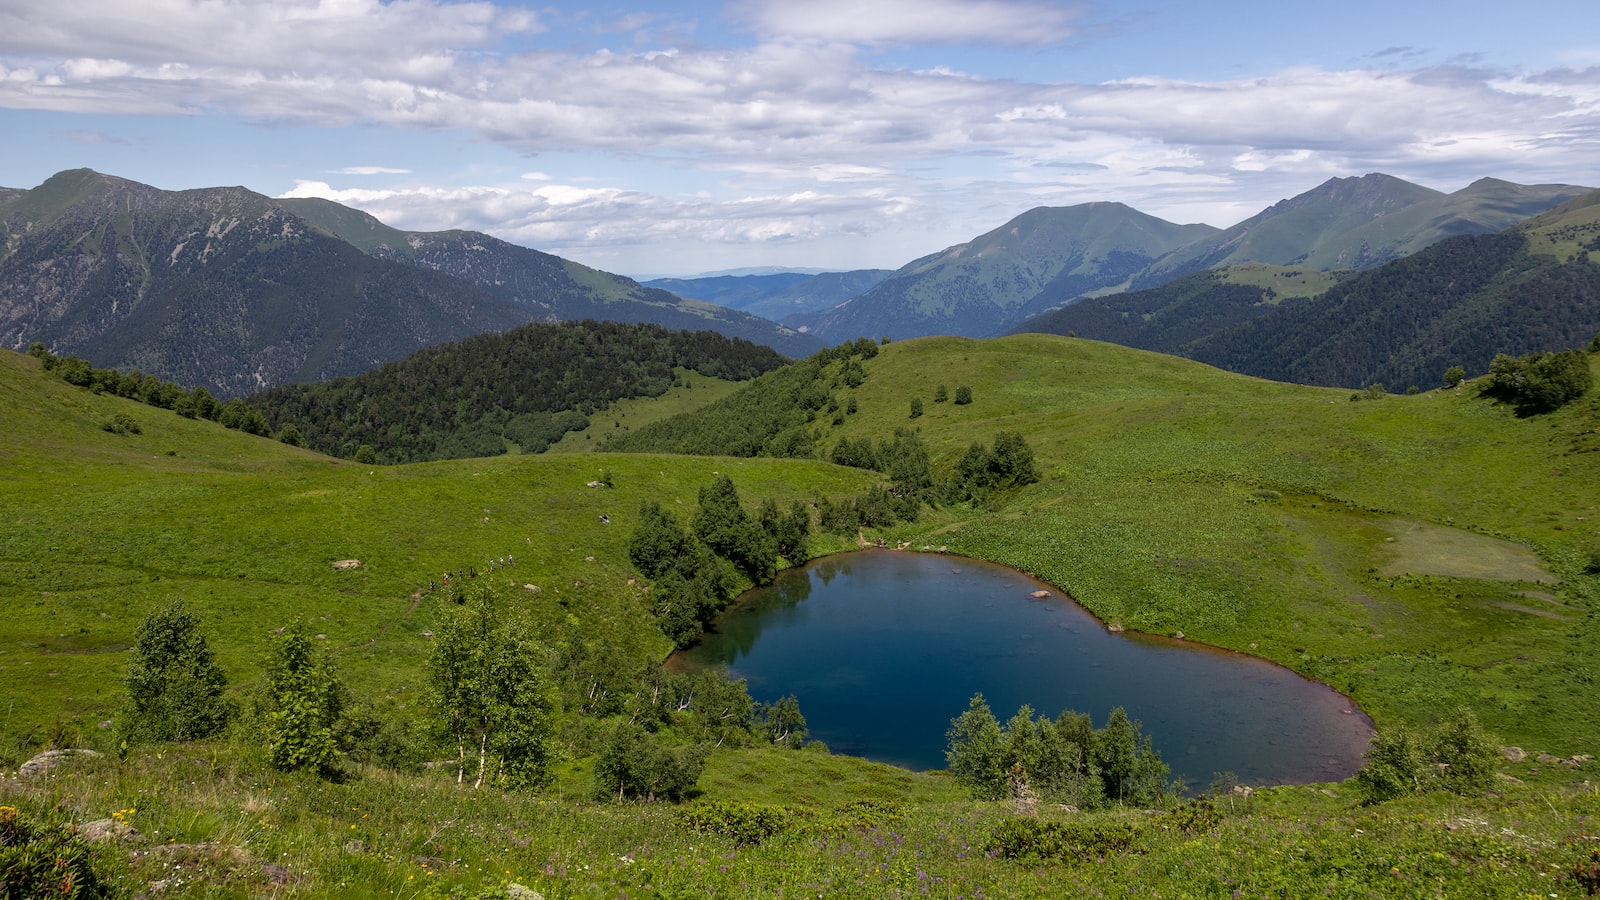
(493, 393)
(1459, 302)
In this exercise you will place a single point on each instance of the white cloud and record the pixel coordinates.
(1004, 22)
(806, 135)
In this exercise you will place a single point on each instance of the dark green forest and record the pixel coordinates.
(522, 388)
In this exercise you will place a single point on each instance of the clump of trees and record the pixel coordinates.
(689, 569)
(1065, 760)
(983, 474)
(1539, 382)
(1457, 755)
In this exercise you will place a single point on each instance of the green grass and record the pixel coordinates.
(627, 415)
(1287, 282)
(1246, 514)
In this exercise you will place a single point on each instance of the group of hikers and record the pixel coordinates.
(504, 562)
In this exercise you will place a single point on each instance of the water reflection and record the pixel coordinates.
(883, 648)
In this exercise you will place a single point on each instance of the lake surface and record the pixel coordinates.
(883, 648)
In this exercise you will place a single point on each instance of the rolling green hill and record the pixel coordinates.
(1418, 553)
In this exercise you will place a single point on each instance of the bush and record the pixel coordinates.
(963, 395)
(174, 685)
(632, 763)
(1453, 376)
(42, 861)
(748, 824)
(1076, 841)
(1456, 755)
(300, 703)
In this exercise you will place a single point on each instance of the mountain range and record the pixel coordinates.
(1050, 257)
(1532, 287)
(235, 291)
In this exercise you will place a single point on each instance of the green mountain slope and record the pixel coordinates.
(1290, 231)
(1041, 258)
(552, 289)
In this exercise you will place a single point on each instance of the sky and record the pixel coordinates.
(650, 138)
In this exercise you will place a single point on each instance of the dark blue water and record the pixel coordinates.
(884, 648)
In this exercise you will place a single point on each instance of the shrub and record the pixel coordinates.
(941, 394)
(632, 763)
(1075, 841)
(300, 703)
(174, 685)
(42, 861)
(1453, 376)
(1539, 382)
(963, 395)
(747, 824)
(916, 407)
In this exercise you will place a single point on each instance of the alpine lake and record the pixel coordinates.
(884, 647)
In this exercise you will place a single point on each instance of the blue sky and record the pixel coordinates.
(678, 138)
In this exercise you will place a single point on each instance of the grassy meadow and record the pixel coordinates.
(1416, 552)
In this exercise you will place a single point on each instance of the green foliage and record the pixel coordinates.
(1539, 382)
(122, 423)
(976, 752)
(1192, 817)
(175, 689)
(747, 824)
(982, 473)
(1453, 376)
(300, 703)
(781, 722)
(769, 417)
(733, 534)
(963, 395)
(916, 407)
(289, 434)
(366, 455)
(38, 860)
(941, 394)
(490, 694)
(1077, 840)
(789, 531)
(632, 763)
(1456, 755)
(1065, 760)
(529, 385)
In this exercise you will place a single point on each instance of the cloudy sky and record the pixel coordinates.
(675, 138)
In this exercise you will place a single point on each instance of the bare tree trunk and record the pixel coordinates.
(483, 753)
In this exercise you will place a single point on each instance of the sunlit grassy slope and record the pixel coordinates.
(101, 527)
(1285, 521)
(1266, 517)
